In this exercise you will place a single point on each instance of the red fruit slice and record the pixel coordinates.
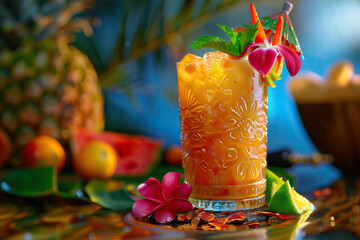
(5, 147)
(136, 155)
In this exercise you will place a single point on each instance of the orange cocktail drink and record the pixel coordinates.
(223, 113)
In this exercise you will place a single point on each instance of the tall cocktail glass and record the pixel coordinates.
(223, 114)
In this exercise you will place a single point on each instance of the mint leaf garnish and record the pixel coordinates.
(233, 38)
(237, 43)
(214, 43)
(204, 39)
(247, 37)
(230, 32)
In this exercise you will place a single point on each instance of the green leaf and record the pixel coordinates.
(230, 32)
(237, 44)
(109, 194)
(31, 182)
(247, 37)
(233, 38)
(214, 43)
(72, 189)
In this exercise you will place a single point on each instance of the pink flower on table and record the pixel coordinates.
(165, 200)
(262, 57)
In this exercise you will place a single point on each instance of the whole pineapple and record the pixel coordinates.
(46, 85)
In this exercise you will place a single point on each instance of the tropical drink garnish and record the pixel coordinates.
(287, 201)
(273, 183)
(282, 198)
(264, 53)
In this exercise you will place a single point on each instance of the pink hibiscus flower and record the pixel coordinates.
(165, 200)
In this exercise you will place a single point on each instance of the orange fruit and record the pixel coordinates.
(43, 151)
(173, 155)
(5, 147)
(96, 159)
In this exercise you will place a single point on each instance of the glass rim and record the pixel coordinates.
(243, 59)
(201, 61)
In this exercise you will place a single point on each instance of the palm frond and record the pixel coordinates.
(147, 26)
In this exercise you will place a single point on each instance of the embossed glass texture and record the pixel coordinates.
(223, 114)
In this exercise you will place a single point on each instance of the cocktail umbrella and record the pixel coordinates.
(290, 39)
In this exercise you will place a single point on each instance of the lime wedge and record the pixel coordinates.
(287, 201)
(274, 188)
(270, 179)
